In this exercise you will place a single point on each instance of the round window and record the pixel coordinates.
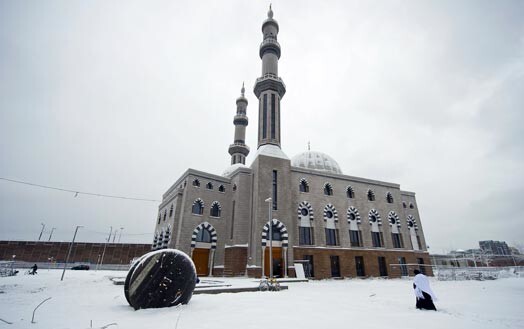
(304, 212)
(373, 218)
(410, 224)
(329, 214)
(392, 220)
(352, 216)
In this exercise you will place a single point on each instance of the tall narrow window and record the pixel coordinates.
(421, 266)
(354, 238)
(389, 197)
(273, 115)
(397, 240)
(232, 220)
(304, 237)
(308, 267)
(264, 117)
(335, 266)
(382, 268)
(403, 266)
(331, 237)
(275, 190)
(376, 237)
(359, 264)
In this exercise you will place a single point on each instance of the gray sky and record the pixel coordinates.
(121, 98)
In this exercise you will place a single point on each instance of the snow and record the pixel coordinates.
(373, 303)
(271, 151)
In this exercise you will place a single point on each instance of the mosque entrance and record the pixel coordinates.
(201, 260)
(278, 262)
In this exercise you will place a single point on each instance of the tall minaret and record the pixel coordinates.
(269, 88)
(239, 150)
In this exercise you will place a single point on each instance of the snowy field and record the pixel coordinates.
(86, 296)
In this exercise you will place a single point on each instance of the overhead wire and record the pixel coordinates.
(76, 192)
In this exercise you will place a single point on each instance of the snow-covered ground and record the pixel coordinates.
(86, 296)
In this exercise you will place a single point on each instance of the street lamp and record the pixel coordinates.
(120, 236)
(270, 204)
(42, 231)
(51, 234)
(69, 253)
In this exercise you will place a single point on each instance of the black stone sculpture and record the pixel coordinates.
(160, 278)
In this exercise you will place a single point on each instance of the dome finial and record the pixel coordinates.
(243, 90)
(270, 12)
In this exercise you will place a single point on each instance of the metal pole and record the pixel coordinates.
(69, 253)
(105, 245)
(42, 231)
(51, 234)
(269, 202)
(120, 236)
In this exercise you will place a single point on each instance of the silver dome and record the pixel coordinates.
(316, 161)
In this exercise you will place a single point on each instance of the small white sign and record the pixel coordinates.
(299, 271)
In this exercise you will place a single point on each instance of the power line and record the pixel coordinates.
(78, 192)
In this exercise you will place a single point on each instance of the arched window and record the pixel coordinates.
(350, 192)
(328, 190)
(198, 207)
(375, 222)
(371, 195)
(165, 214)
(203, 235)
(159, 218)
(171, 211)
(196, 183)
(303, 186)
(215, 209)
(355, 236)
(234, 187)
(209, 186)
(411, 206)
(221, 188)
(404, 204)
(389, 197)
(305, 228)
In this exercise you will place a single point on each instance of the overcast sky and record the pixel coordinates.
(121, 98)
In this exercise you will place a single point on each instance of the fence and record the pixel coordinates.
(446, 273)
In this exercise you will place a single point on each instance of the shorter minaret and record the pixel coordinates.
(239, 150)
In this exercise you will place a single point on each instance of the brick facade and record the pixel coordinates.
(32, 251)
(322, 265)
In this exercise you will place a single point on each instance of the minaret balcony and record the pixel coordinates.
(271, 45)
(239, 148)
(240, 119)
(270, 81)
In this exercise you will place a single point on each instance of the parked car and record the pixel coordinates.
(80, 267)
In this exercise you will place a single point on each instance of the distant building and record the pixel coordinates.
(495, 247)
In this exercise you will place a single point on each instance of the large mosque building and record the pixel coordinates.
(333, 224)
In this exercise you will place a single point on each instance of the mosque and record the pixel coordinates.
(333, 224)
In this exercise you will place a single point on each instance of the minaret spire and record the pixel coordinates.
(269, 88)
(239, 150)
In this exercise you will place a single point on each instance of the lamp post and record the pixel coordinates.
(42, 231)
(51, 234)
(120, 236)
(105, 246)
(269, 202)
(69, 253)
